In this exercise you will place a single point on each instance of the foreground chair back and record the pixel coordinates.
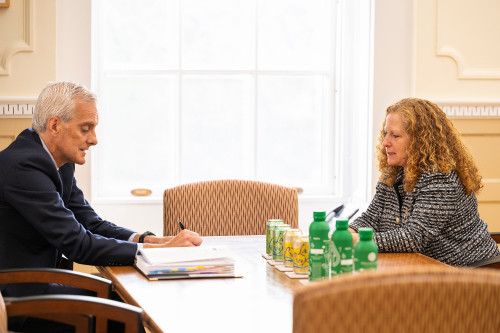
(228, 207)
(102, 287)
(419, 299)
(3, 316)
(83, 308)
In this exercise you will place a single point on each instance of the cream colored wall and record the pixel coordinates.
(409, 39)
(10, 128)
(482, 136)
(456, 62)
(42, 41)
(392, 61)
(457, 49)
(27, 56)
(27, 47)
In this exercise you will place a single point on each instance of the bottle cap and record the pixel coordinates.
(342, 224)
(365, 233)
(319, 216)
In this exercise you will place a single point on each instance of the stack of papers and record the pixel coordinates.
(186, 262)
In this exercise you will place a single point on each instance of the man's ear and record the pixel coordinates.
(53, 125)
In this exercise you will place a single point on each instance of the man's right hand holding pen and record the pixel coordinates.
(184, 238)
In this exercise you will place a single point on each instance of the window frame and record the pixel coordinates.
(352, 175)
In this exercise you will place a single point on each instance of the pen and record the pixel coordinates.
(181, 225)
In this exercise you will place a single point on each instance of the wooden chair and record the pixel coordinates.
(228, 207)
(495, 236)
(3, 316)
(493, 262)
(81, 308)
(102, 287)
(416, 299)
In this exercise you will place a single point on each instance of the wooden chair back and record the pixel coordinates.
(82, 308)
(495, 236)
(3, 316)
(102, 287)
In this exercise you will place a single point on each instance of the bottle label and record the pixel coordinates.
(318, 250)
(366, 261)
(335, 257)
(316, 262)
(364, 266)
(346, 262)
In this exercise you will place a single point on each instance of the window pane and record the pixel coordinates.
(139, 35)
(295, 35)
(215, 131)
(218, 34)
(214, 89)
(135, 133)
(290, 129)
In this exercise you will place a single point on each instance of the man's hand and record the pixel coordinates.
(158, 240)
(183, 238)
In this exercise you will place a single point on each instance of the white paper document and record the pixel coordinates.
(186, 262)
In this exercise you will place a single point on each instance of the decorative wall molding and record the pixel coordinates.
(8, 138)
(470, 109)
(476, 56)
(17, 107)
(25, 44)
(464, 70)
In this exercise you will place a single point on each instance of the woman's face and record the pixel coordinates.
(396, 140)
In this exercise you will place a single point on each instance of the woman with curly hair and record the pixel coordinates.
(425, 200)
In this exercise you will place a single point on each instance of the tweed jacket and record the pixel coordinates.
(438, 219)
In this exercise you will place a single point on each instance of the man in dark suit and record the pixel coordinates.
(43, 213)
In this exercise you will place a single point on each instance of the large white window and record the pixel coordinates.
(193, 90)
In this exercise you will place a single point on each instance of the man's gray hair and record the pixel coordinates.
(57, 99)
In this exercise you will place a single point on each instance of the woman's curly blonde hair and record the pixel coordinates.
(435, 145)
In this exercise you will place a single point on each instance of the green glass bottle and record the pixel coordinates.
(341, 249)
(319, 246)
(365, 251)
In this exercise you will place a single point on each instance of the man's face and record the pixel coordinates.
(76, 137)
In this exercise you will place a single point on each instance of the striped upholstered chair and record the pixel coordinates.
(415, 299)
(228, 207)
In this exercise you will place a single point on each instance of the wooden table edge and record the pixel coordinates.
(127, 298)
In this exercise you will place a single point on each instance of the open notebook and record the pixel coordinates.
(186, 262)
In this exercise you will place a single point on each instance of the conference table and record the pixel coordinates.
(259, 301)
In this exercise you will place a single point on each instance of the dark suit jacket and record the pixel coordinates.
(44, 214)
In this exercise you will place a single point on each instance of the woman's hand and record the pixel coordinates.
(355, 236)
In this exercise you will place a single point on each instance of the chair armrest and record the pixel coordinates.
(495, 236)
(73, 307)
(99, 285)
(493, 262)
